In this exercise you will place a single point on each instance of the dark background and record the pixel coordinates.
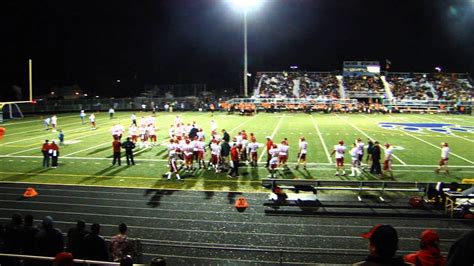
(94, 43)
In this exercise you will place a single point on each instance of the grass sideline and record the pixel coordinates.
(86, 157)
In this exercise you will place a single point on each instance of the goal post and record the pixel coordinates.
(11, 108)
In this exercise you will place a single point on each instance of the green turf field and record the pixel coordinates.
(86, 157)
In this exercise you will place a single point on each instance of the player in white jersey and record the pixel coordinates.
(387, 163)
(54, 122)
(177, 120)
(215, 154)
(360, 149)
(151, 130)
(443, 162)
(172, 147)
(82, 115)
(201, 149)
(92, 120)
(115, 132)
(133, 117)
(172, 161)
(283, 153)
(133, 132)
(244, 152)
(253, 149)
(171, 132)
(213, 125)
(200, 134)
(179, 130)
(273, 163)
(355, 165)
(143, 136)
(46, 123)
(303, 150)
(339, 151)
(188, 149)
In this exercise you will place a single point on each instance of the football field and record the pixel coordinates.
(86, 157)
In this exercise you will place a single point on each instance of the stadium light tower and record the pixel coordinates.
(245, 6)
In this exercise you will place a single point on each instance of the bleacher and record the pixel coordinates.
(320, 85)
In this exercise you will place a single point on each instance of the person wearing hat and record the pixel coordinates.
(383, 244)
(429, 253)
(63, 259)
(443, 163)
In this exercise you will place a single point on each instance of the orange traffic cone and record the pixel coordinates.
(2, 132)
(241, 204)
(30, 193)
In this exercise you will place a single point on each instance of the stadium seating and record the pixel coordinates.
(363, 85)
(437, 86)
(296, 85)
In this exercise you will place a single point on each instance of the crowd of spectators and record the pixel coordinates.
(452, 87)
(438, 86)
(276, 85)
(406, 87)
(22, 236)
(319, 85)
(296, 85)
(364, 84)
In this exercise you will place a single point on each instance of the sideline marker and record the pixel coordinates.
(30, 193)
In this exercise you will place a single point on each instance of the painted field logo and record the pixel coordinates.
(433, 127)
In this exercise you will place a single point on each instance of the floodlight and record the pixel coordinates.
(246, 5)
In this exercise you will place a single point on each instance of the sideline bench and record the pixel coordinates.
(358, 186)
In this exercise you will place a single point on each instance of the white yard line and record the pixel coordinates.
(72, 132)
(243, 123)
(22, 151)
(35, 121)
(90, 148)
(363, 133)
(431, 144)
(273, 135)
(322, 140)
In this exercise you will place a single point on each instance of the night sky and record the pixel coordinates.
(94, 43)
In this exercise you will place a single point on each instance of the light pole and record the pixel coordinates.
(245, 6)
(246, 84)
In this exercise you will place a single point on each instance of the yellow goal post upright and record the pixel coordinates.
(12, 107)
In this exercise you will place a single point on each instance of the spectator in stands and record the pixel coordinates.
(429, 253)
(28, 238)
(95, 247)
(462, 251)
(75, 239)
(12, 237)
(120, 246)
(383, 244)
(49, 240)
